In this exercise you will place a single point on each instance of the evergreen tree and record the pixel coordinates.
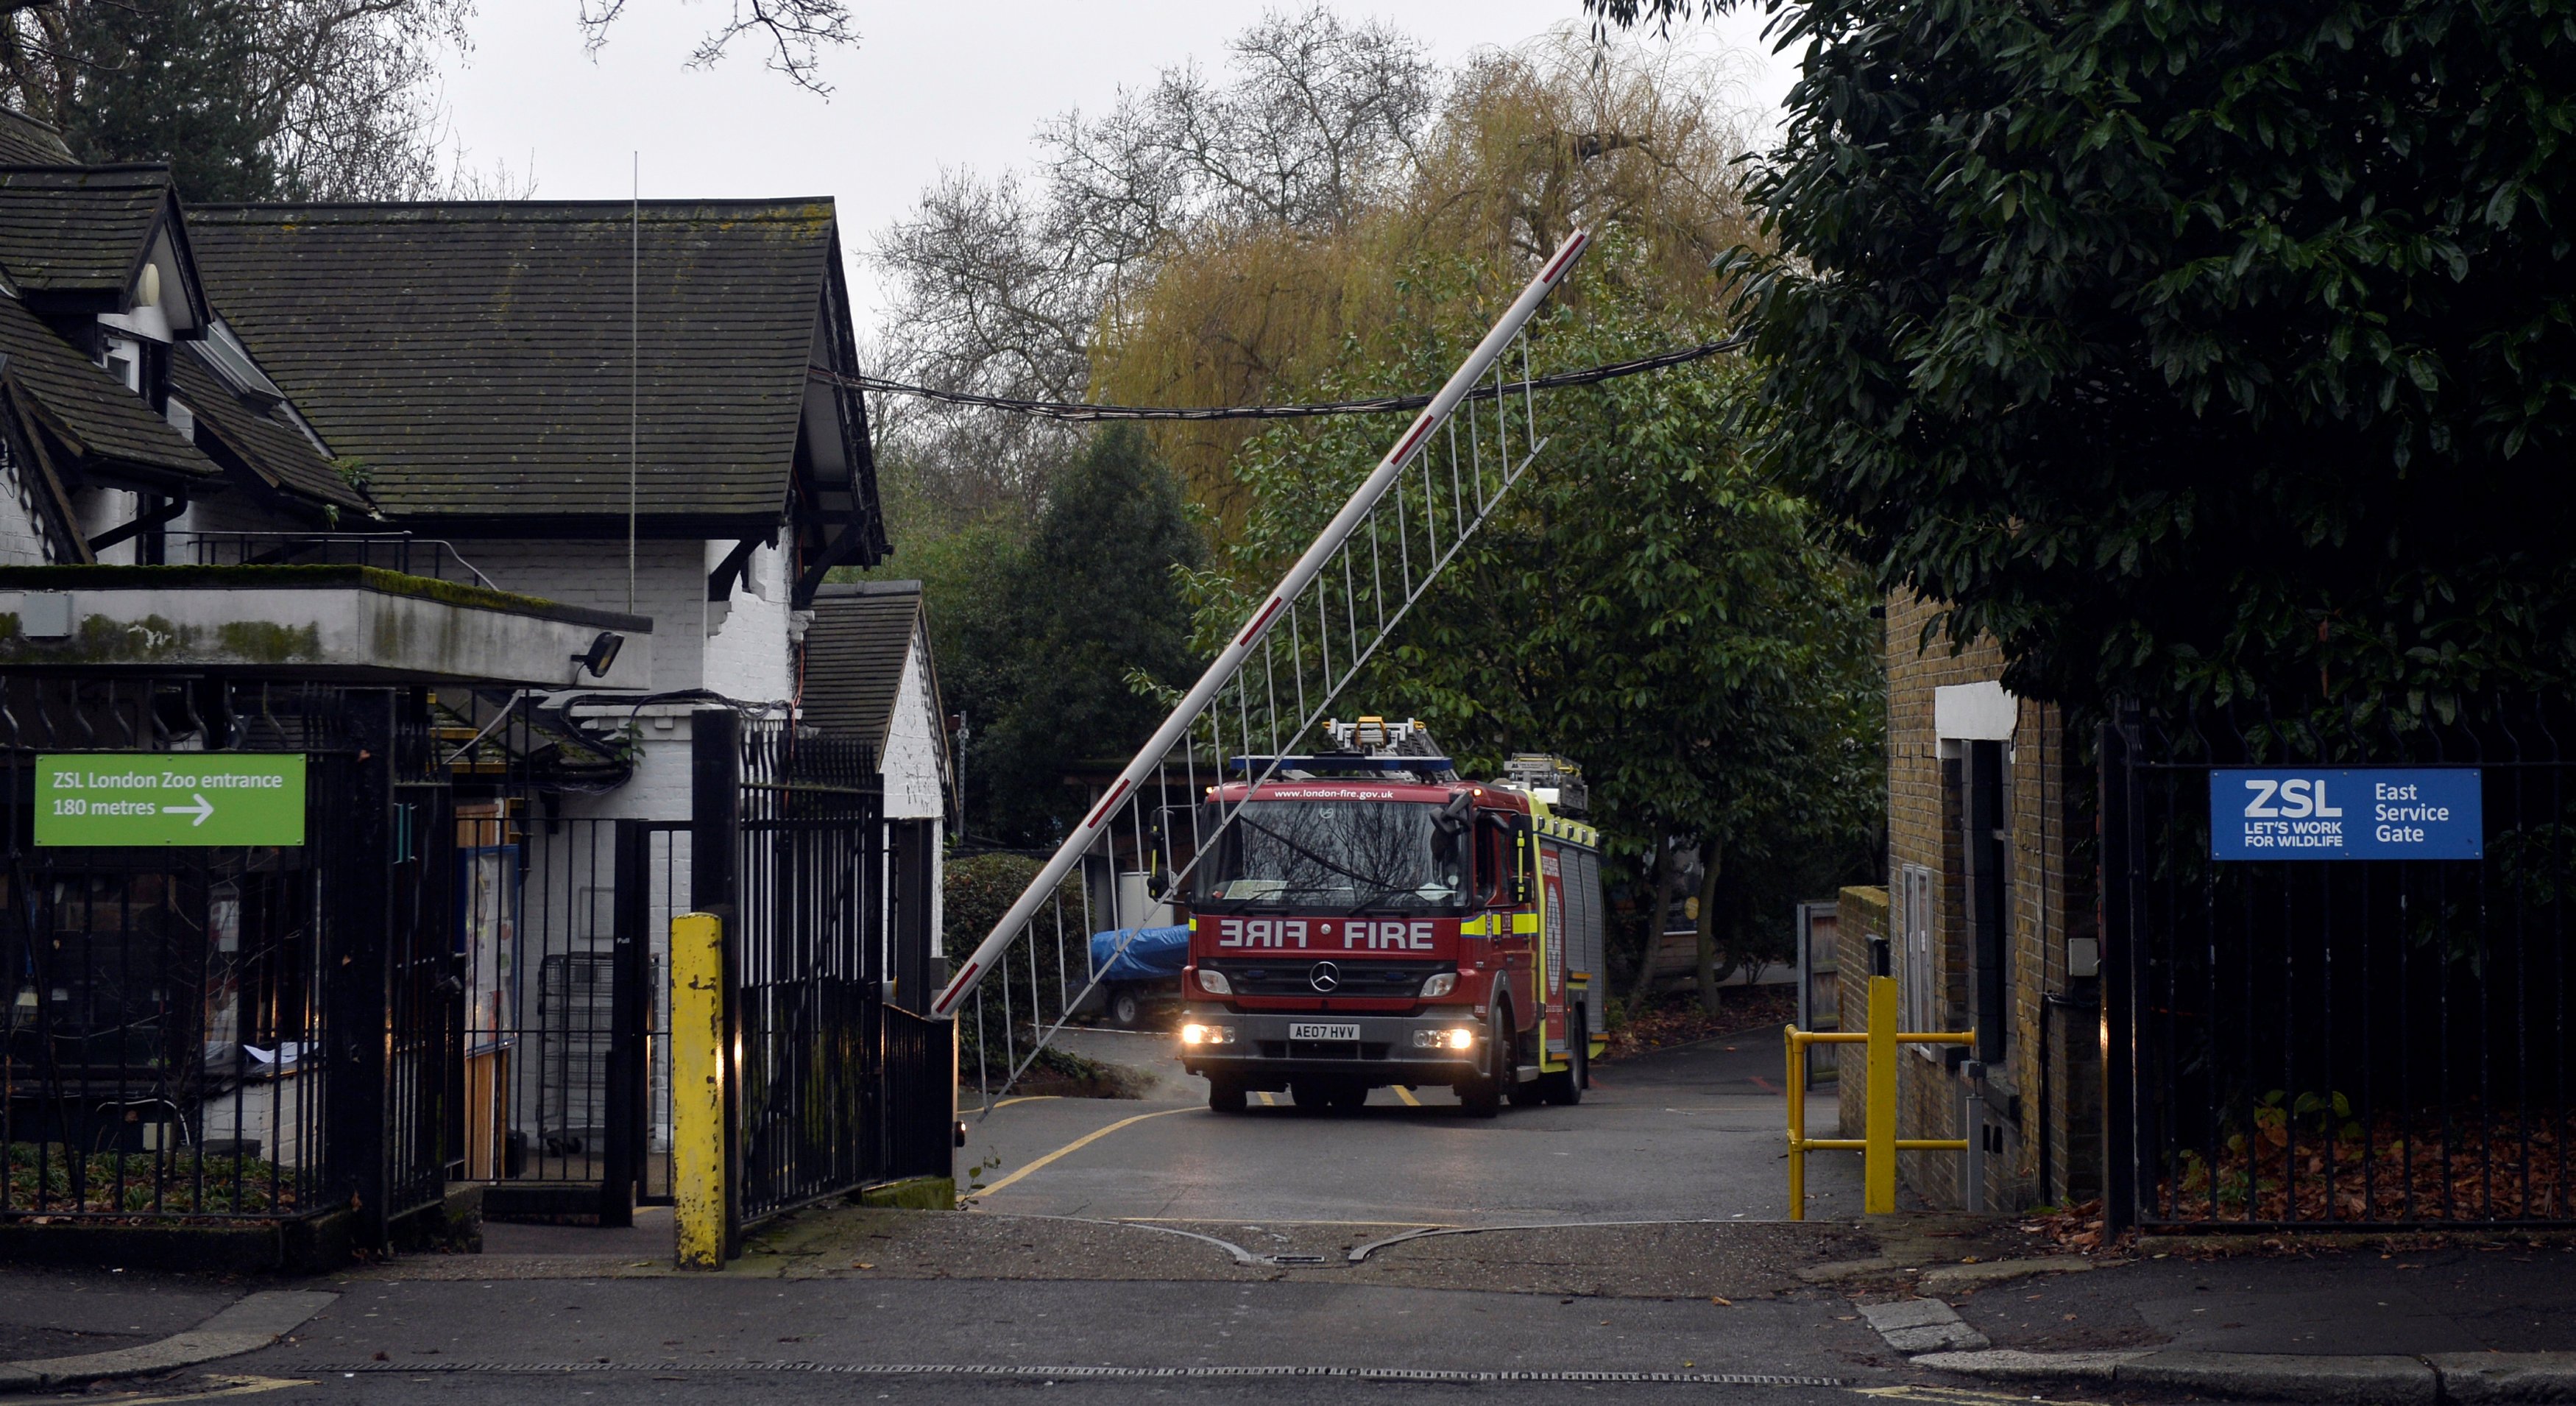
(176, 81)
(1090, 603)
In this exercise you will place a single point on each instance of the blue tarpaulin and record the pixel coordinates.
(1152, 953)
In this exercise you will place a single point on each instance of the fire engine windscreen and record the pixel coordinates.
(1336, 856)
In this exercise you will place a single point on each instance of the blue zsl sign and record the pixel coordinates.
(2361, 813)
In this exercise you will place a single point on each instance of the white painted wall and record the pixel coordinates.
(97, 510)
(914, 784)
(747, 655)
(670, 588)
(22, 532)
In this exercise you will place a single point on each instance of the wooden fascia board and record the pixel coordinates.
(28, 448)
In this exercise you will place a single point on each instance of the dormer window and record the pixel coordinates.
(123, 358)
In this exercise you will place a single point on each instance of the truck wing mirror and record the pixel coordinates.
(1452, 818)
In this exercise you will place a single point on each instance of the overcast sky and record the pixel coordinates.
(929, 86)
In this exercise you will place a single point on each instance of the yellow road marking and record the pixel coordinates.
(1268, 1102)
(1956, 1396)
(1406, 1095)
(1077, 1145)
(1238, 1220)
(229, 1386)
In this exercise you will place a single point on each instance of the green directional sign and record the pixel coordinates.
(169, 798)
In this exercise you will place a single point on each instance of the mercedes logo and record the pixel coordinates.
(1324, 977)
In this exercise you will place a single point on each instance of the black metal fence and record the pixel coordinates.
(564, 928)
(833, 1087)
(209, 1031)
(389, 551)
(2377, 1043)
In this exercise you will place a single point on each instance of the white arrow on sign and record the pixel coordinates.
(201, 810)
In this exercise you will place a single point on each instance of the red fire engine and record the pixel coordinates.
(1370, 919)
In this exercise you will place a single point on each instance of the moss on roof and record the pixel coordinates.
(477, 356)
(305, 578)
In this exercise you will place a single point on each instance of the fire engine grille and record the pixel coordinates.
(1357, 978)
(1323, 1049)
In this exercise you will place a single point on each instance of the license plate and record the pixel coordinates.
(1323, 1032)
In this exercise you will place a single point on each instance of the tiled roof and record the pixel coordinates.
(78, 230)
(263, 438)
(854, 653)
(24, 141)
(475, 358)
(84, 406)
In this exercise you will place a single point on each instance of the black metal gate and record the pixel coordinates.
(202, 1031)
(832, 1086)
(2373, 1043)
(564, 925)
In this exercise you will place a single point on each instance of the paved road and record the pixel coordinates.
(699, 1340)
(1685, 1134)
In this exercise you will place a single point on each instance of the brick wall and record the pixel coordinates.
(1860, 913)
(2052, 1083)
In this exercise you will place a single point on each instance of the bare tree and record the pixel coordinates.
(798, 32)
(1005, 289)
(335, 99)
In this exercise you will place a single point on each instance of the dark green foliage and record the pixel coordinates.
(175, 80)
(2194, 350)
(1046, 636)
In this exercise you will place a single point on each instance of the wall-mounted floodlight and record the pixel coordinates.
(602, 654)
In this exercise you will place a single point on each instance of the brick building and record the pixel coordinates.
(1988, 924)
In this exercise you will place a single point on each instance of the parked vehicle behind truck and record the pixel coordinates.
(1371, 919)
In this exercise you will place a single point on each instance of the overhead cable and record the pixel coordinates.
(1080, 410)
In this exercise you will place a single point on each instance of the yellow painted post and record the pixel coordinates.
(1878, 1158)
(1797, 1087)
(697, 1089)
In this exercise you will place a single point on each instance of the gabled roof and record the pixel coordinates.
(264, 439)
(854, 653)
(82, 231)
(24, 141)
(475, 357)
(89, 411)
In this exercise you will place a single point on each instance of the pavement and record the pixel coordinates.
(1630, 1249)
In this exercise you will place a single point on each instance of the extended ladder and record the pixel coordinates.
(1263, 694)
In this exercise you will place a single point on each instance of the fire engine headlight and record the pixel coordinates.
(1440, 985)
(1195, 1034)
(1461, 1038)
(1457, 1038)
(1214, 983)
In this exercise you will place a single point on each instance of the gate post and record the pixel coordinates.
(359, 997)
(1878, 1158)
(702, 1190)
(2117, 829)
(715, 851)
(630, 1007)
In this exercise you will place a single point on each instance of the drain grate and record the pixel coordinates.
(1078, 1373)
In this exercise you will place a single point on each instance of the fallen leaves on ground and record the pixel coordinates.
(1677, 1018)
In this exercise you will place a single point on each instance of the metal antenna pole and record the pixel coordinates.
(634, 356)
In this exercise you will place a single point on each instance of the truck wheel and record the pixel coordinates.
(1124, 1008)
(1533, 1093)
(1225, 1095)
(1483, 1097)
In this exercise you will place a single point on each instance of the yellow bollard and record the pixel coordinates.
(1797, 1087)
(698, 1089)
(1878, 1158)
